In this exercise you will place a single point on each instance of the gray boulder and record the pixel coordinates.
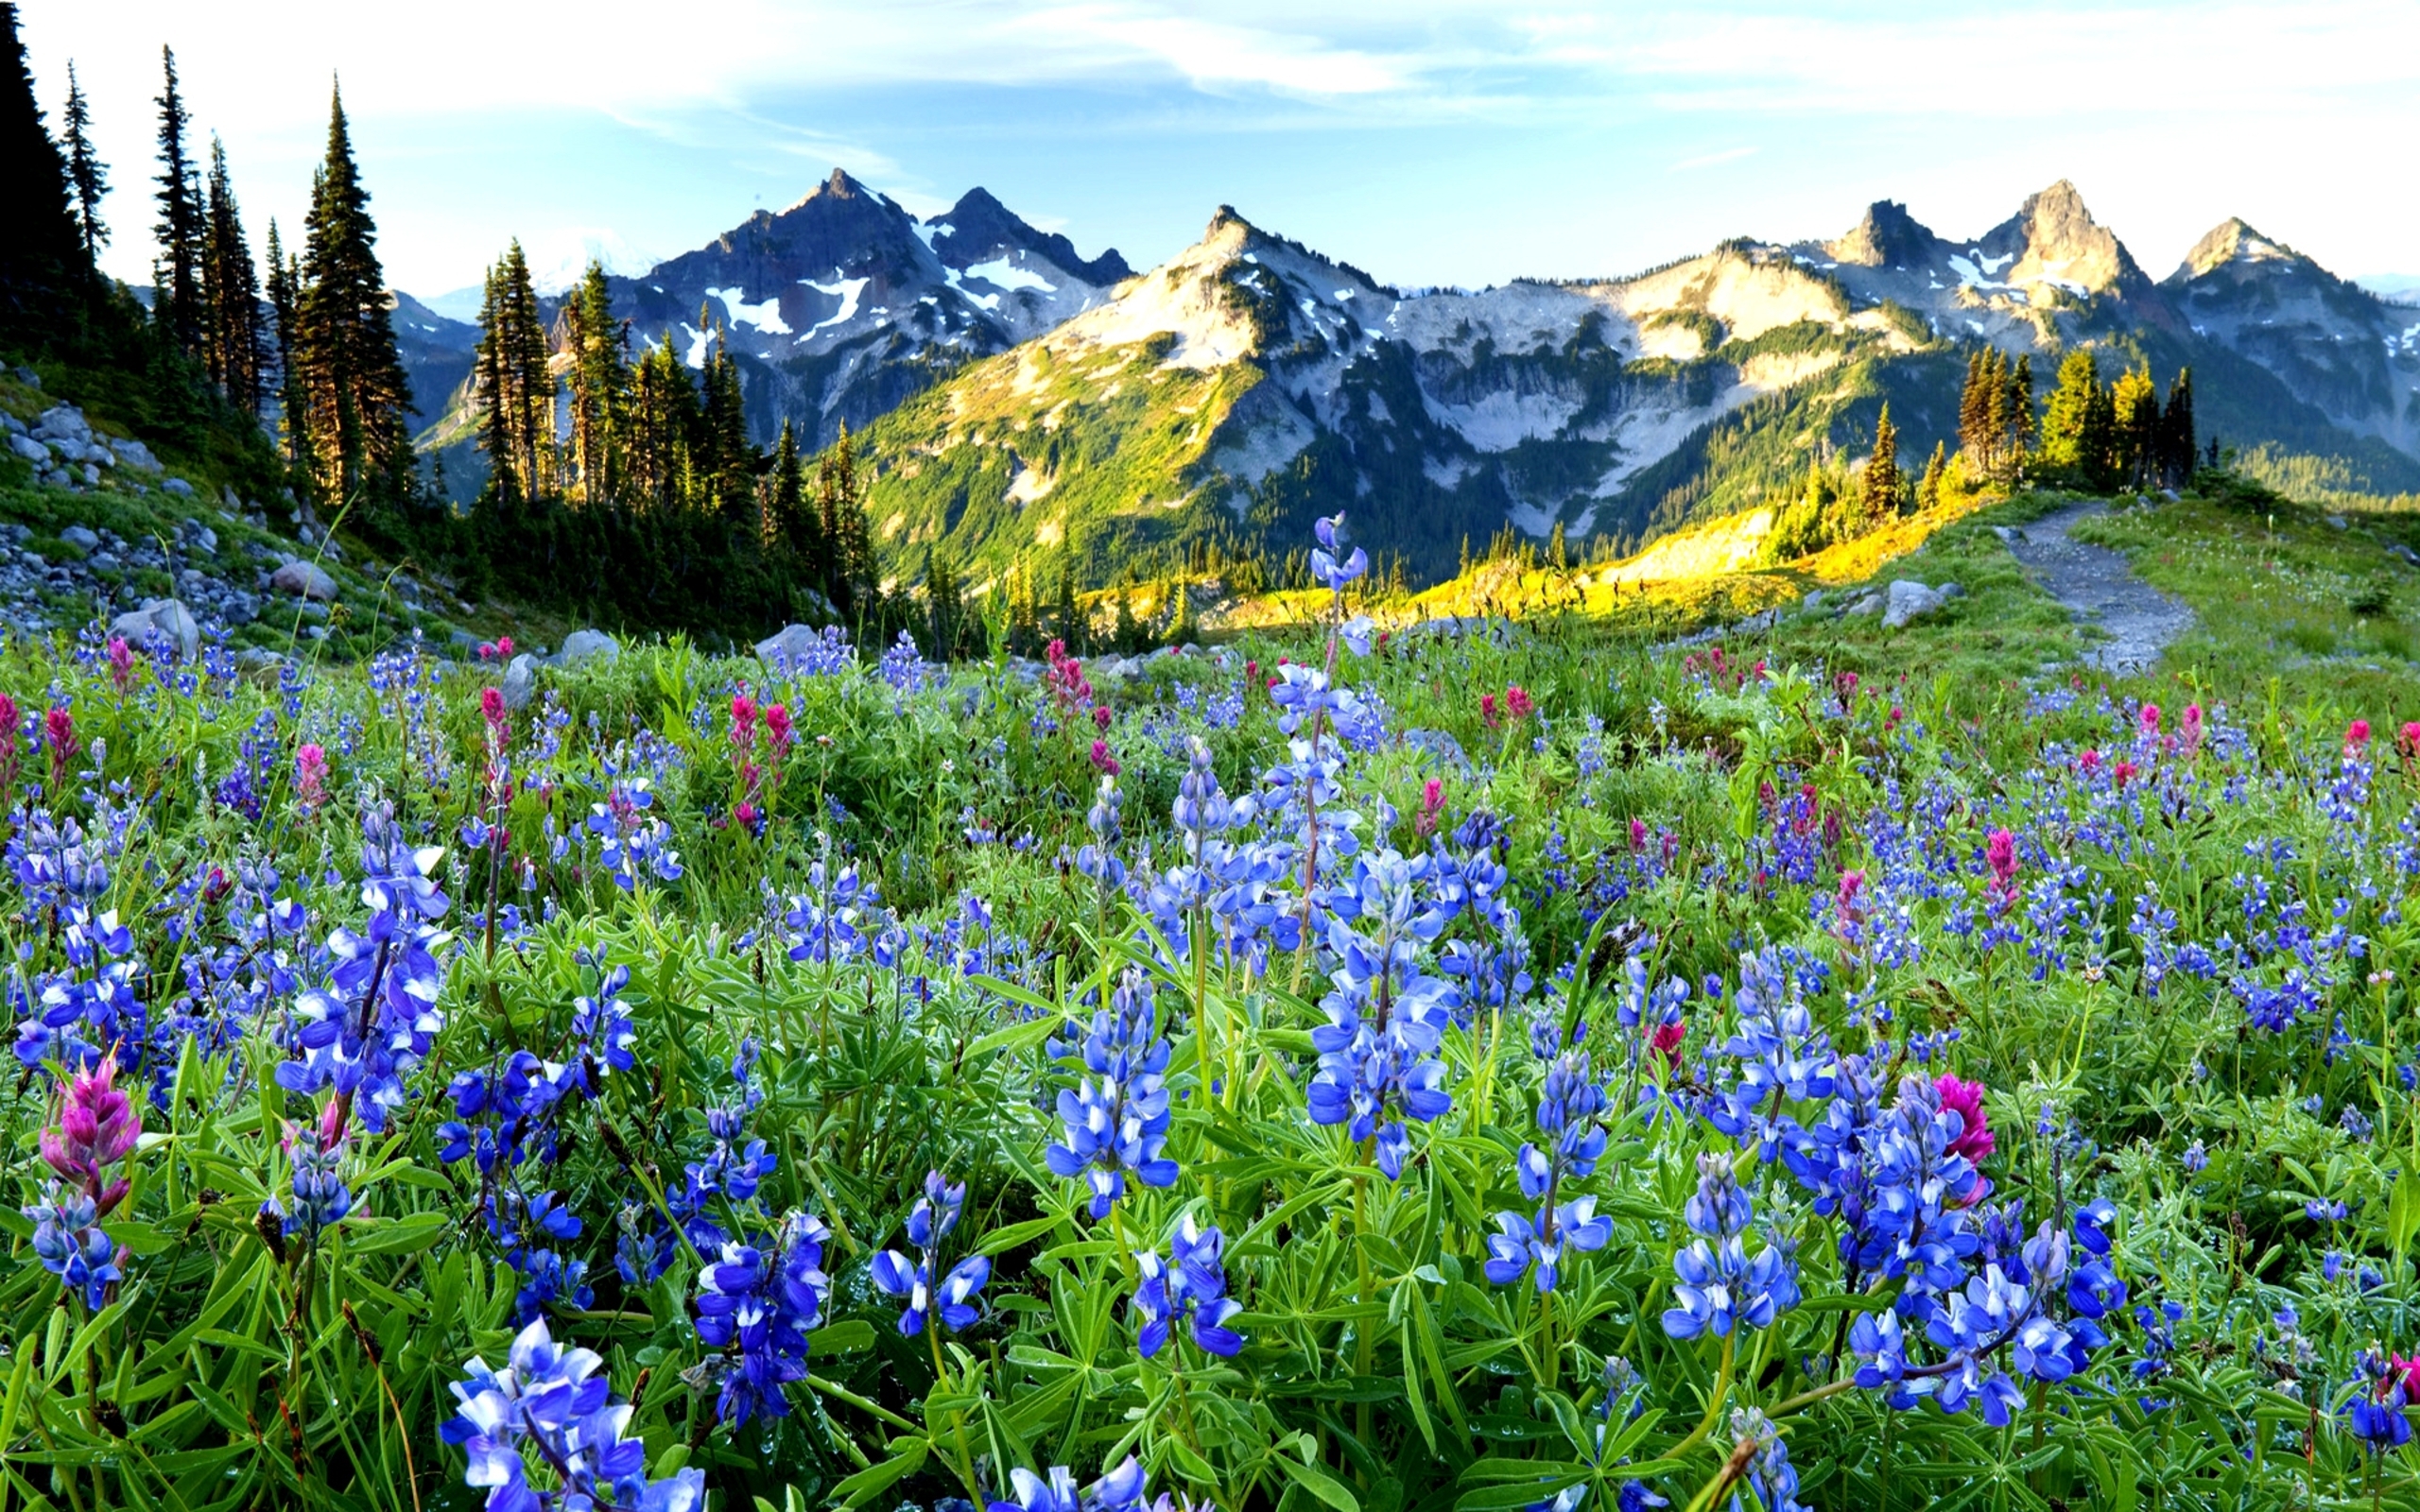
(31, 450)
(791, 642)
(81, 535)
(303, 580)
(136, 455)
(1907, 599)
(166, 616)
(179, 487)
(64, 422)
(588, 645)
(1866, 602)
(206, 539)
(520, 682)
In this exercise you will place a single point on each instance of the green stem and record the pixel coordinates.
(1714, 1402)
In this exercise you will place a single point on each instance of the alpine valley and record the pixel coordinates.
(1018, 403)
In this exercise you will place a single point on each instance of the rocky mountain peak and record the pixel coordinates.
(2233, 240)
(979, 228)
(1887, 237)
(2052, 239)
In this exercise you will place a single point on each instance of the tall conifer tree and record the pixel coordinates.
(285, 291)
(88, 177)
(42, 259)
(1885, 492)
(354, 389)
(2177, 443)
(232, 350)
(600, 381)
(176, 272)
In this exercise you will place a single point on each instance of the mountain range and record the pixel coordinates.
(1017, 400)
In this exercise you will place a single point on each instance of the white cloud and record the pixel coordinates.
(1708, 160)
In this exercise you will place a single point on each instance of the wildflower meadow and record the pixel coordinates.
(1519, 1068)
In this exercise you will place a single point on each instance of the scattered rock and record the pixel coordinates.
(179, 487)
(64, 422)
(29, 377)
(31, 450)
(2008, 536)
(520, 682)
(136, 455)
(1907, 599)
(1812, 603)
(166, 616)
(305, 580)
(791, 642)
(588, 645)
(81, 535)
(2405, 552)
(206, 539)
(2339, 521)
(1866, 602)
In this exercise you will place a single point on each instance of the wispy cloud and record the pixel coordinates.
(1707, 160)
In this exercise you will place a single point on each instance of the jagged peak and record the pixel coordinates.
(1888, 236)
(840, 186)
(2233, 240)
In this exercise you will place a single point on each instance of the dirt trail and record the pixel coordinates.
(2098, 585)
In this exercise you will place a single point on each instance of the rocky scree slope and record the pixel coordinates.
(95, 528)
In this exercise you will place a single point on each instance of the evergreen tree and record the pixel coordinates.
(1885, 493)
(1974, 434)
(232, 348)
(601, 380)
(1558, 554)
(946, 616)
(788, 527)
(2068, 428)
(285, 291)
(855, 581)
(42, 266)
(87, 175)
(1068, 622)
(2177, 443)
(1994, 456)
(727, 457)
(1929, 487)
(2019, 435)
(2136, 429)
(2096, 447)
(176, 274)
(353, 392)
(515, 385)
(662, 417)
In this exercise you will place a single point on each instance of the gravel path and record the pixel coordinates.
(2097, 584)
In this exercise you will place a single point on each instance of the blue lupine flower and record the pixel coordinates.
(761, 1303)
(1325, 565)
(1386, 1018)
(1720, 1287)
(1116, 1118)
(375, 1023)
(557, 1401)
(2375, 1412)
(1771, 1477)
(1567, 1107)
(1190, 1285)
(935, 1215)
(69, 1242)
(1783, 1058)
(1036, 1494)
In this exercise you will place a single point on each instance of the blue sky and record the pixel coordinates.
(1428, 143)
